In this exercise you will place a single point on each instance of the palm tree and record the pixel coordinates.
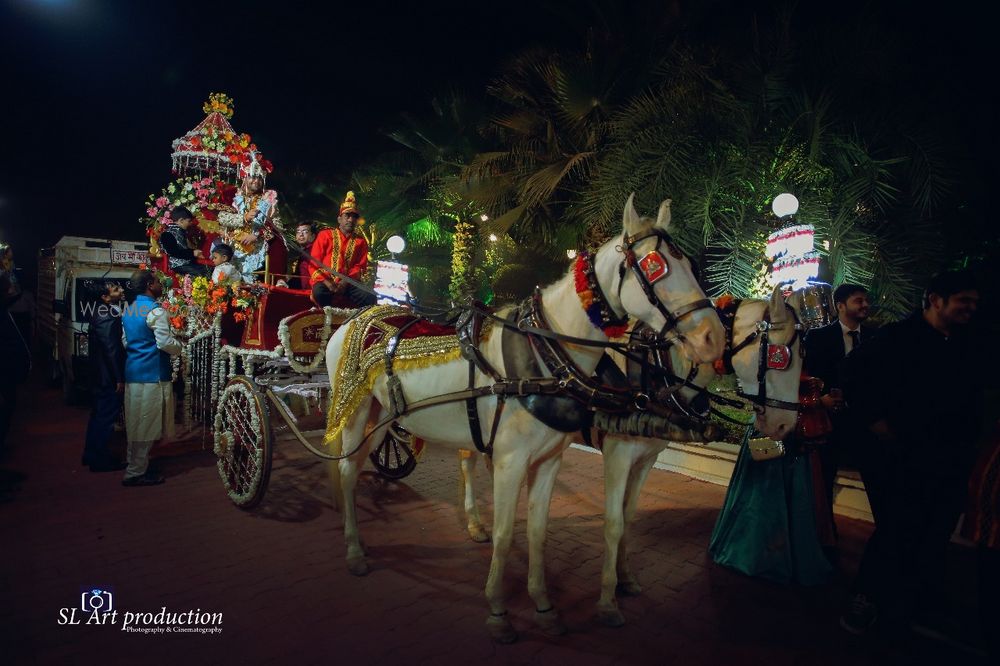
(722, 136)
(552, 124)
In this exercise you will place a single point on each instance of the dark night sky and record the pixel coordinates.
(94, 92)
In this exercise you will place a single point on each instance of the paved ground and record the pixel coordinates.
(279, 578)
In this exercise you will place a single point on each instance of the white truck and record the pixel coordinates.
(67, 276)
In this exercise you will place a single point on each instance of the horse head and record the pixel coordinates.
(767, 358)
(655, 284)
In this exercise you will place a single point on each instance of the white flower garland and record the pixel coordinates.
(284, 336)
(225, 440)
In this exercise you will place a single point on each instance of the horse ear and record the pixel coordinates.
(631, 221)
(776, 306)
(663, 216)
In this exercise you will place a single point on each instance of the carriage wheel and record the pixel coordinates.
(393, 458)
(243, 442)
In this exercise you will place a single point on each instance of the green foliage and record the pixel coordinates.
(718, 128)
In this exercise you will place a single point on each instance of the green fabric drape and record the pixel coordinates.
(767, 527)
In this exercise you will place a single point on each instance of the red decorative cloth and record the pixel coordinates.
(419, 329)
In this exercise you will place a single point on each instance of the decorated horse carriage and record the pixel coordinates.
(252, 358)
(519, 384)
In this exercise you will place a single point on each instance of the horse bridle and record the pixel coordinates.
(770, 357)
(657, 366)
(647, 272)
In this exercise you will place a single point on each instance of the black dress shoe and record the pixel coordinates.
(143, 480)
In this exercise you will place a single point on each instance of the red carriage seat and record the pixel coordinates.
(261, 330)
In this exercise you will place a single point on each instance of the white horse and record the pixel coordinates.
(628, 460)
(524, 448)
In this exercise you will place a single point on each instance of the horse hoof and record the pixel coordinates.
(501, 630)
(479, 535)
(630, 588)
(611, 618)
(358, 566)
(550, 623)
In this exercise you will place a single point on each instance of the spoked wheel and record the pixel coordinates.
(394, 458)
(243, 442)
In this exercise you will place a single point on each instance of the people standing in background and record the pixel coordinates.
(826, 348)
(14, 356)
(149, 345)
(107, 373)
(916, 387)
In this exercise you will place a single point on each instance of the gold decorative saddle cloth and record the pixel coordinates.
(423, 344)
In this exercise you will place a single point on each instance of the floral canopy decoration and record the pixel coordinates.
(213, 147)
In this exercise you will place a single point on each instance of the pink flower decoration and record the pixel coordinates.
(151, 211)
(161, 202)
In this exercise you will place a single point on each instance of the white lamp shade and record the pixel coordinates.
(395, 244)
(785, 204)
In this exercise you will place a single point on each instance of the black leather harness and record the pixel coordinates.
(567, 398)
(671, 319)
(760, 333)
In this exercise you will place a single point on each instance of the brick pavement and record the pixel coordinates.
(278, 573)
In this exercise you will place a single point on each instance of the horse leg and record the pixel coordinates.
(541, 481)
(333, 473)
(507, 479)
(350, 468)
(617, 465)
(637, 478)
(467, 461)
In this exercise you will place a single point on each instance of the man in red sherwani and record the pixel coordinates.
(345, 252)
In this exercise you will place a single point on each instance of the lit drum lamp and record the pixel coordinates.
(391, 277)
(795, 263)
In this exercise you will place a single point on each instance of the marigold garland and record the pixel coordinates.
(598, 311)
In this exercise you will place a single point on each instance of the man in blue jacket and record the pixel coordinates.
(149, 344)
(107, 370)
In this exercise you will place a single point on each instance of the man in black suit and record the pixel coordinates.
(917, 388)
(107, 367)
(826, 348)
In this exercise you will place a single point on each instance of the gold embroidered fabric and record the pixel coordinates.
(363, 360)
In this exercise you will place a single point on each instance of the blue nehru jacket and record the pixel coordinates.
(145, 363)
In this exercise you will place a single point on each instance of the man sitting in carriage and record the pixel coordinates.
(346, 252)
(182, 256)
(254, 226)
